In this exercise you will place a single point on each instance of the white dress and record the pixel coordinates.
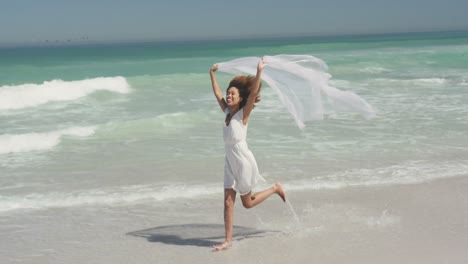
(240, 168)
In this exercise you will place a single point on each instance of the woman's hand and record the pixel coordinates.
(257, 99)
(261, 64)
(214, 68)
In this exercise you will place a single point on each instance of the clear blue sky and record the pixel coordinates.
(34, 21)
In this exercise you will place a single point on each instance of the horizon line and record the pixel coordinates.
(78, 43)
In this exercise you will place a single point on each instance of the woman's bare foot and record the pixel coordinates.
(279, 190)
(223, 246)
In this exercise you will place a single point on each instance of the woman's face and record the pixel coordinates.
(232, 97)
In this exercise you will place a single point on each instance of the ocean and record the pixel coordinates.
(106, 127)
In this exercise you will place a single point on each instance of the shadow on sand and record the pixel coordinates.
(202, 235)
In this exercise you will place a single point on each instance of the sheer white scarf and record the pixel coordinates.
(301, 82)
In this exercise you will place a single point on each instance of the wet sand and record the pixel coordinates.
(418, 223)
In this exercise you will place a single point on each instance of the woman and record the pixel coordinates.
(240, 168)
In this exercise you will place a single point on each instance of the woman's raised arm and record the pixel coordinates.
(253, 96)
(216, 90)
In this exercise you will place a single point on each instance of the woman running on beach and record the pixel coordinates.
(240, 168)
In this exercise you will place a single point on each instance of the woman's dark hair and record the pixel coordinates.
(245, 85)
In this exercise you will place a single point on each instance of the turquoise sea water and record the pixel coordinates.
(137, 123)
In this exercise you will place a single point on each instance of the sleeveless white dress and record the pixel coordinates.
(240, 168)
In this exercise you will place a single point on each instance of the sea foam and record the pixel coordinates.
(118, 196)
(409, 172)
(374, 70)
(12, 143)
(30, 95)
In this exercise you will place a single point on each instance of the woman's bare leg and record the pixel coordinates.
(229, 199)
(250, 200)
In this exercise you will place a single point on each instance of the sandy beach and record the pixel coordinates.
(419, 223)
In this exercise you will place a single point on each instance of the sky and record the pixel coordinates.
(62, 21)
